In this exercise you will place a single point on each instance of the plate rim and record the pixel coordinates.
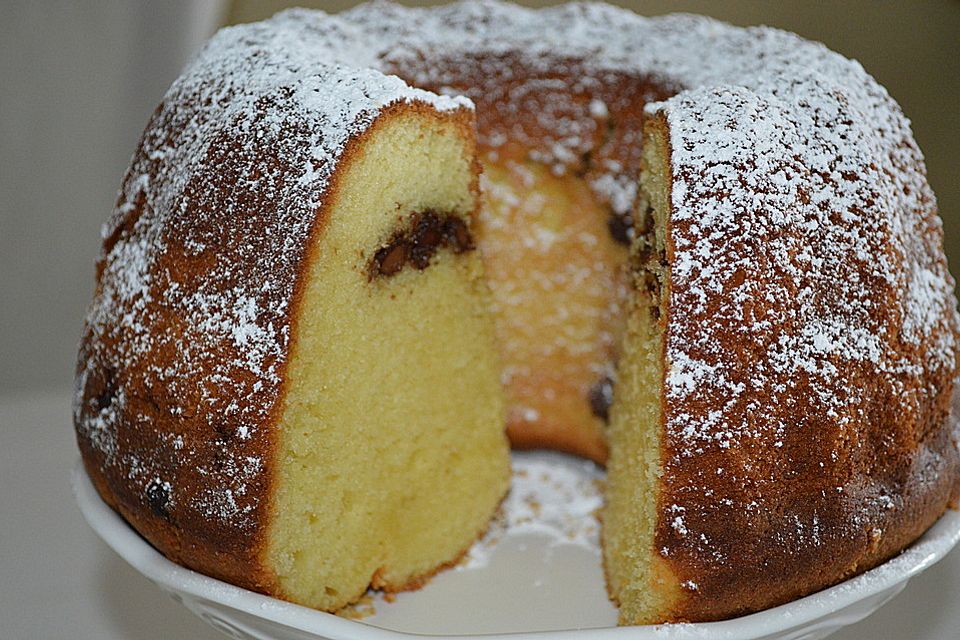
(924, 552)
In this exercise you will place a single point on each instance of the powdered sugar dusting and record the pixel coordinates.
(558, 498)
(782, 191)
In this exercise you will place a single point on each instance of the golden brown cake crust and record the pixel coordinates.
(807, 432)
(758, 562)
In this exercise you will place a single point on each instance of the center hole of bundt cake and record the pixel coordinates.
(415, 244)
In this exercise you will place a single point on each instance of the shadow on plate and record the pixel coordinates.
(139, 609)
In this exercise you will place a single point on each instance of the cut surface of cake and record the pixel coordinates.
(392, 456)
(559, 284)
(713, 260)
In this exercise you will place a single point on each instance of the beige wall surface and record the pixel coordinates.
(79, 80)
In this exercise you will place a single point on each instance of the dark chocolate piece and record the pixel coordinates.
(427, 233)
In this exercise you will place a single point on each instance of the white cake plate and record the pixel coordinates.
(536, 575)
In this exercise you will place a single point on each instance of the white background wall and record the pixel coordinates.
(78, 81)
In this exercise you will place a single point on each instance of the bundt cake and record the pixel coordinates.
(713, 260)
